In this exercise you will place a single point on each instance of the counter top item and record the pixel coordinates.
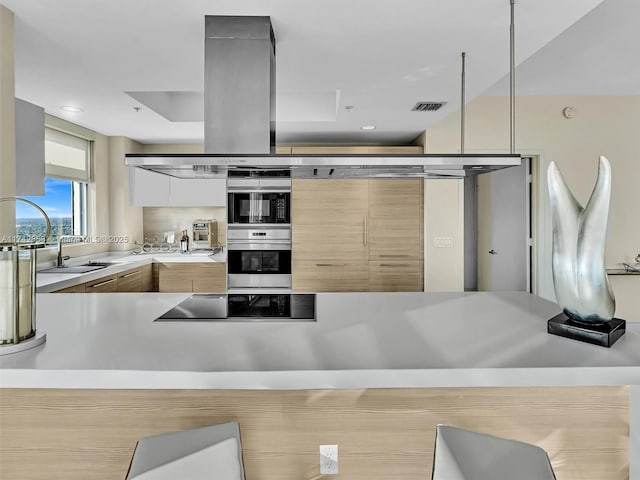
(121, 261)
(625, 269)
(360, 340)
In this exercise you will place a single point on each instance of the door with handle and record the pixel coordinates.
(503, 229)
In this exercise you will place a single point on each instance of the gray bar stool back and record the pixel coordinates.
(212, 452)
(465, 455)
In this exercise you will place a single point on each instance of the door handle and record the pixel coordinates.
(493, 252)
(364, 224)
(102, 283)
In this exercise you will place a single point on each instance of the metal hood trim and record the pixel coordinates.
(326, 166)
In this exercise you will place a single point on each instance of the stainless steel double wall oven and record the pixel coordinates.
(259, 229)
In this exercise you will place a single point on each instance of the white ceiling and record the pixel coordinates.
(380, 57)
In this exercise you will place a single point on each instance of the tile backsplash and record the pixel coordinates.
(157, 220)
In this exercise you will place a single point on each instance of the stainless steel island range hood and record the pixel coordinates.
(239, 121)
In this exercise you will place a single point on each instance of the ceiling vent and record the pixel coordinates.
(427, 106)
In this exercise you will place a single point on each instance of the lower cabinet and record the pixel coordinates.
(138, 279)
(80, 288)
(102, 285)
(333, 276)
(205, 277)
(395, 276)
(357, 276)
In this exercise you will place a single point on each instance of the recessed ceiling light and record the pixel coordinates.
(69, 108)
(368, 127)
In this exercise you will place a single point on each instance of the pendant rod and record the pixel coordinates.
(462, 113)
(512, 82)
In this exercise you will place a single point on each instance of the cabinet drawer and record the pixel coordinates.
(329, 276)
(192, 277)
(395, 276)
(80, 288)
(130, 281)
(102, 285)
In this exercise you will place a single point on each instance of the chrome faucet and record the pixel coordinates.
(61, 240)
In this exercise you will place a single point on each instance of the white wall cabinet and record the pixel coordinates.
(151, 189)
(29, 148)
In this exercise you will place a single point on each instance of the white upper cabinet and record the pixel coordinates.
(29, 148)
(151, 189)
(198, 192)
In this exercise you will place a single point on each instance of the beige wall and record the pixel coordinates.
(7, 124)
(444, 219)
(602, 126)
(124, 220)
(158, 220)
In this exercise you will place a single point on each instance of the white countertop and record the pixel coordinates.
(360, 340)
(50, 282)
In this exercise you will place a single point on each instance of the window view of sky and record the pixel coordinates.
(56, 201)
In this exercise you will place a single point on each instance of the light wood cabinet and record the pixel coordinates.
(357, 235)
(205, 277)
(106, 284)
(329, 276)
(80, 288)
(396, 218)
(395, 276)
(130, 281)
(329, 219)
(140, 279)
(148, 284)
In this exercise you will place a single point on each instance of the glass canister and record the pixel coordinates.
(18, 263)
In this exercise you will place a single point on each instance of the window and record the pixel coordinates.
(65, 199)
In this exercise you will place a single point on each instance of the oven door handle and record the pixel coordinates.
(259, 246)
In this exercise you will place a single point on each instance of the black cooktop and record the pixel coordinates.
(244, 307)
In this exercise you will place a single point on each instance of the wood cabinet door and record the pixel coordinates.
(396, 219)
(130, 280)
(204, 277)
(175, 277)
(210, 278)
(395, 276)
(80, 288)
(147, 279)
(329, 219)
(330, 276)
(103, 285)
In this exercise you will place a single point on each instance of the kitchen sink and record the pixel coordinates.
(97, 264)
(73, 269)
(84, 268)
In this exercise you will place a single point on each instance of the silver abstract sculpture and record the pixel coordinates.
(579, 276)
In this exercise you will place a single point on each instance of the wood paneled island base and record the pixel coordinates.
(80, 434)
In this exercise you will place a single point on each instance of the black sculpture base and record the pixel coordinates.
(603, 334)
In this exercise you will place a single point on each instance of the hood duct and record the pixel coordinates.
(239, 120)
(239, 85)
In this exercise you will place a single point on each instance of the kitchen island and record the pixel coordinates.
(360, 340)
(374, 374)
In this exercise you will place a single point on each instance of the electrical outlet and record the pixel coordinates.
(443, 242)
(329, 459)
